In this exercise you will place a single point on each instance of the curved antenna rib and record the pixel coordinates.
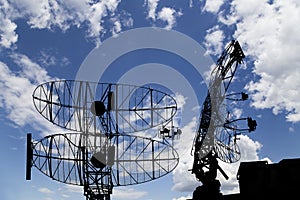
(103, 107)
(130, 159)
(216, 137)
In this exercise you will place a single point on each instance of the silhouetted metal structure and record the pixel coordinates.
(103, 107)
(101, 154)
(217, 133)
(99, 163)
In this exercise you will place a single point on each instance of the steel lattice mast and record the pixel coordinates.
(217, 133)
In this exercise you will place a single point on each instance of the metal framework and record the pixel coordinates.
(100, 154)
(217, 133)
(103, 107)
(99, 163)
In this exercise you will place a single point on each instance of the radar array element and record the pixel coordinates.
(99, 153)
(218, 133)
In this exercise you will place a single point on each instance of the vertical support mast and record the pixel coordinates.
(29, 156)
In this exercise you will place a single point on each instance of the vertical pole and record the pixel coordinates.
(151, 97)
(153, 164)
(29, 156)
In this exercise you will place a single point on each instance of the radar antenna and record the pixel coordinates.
(217, 134)
(103, 107)
(104, 162)
(100, 154)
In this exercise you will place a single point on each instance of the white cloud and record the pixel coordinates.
(237, 113)
(151, 6)
(8, 35)
(168, 15)
(46, 59)
(128, 193)
(116, 28)
(249, 150)
(29, 69)
(45, 190)
(50, 14)
(213, 6)
(191, 3)
(95, 19)
(269, 35)
(214, 41)
(183, 198)
(16, 93)
(291, 129)
(184, 181)
(72, 189)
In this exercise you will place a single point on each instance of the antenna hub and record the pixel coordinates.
(98, 108)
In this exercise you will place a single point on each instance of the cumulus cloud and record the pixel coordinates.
(185, 181)
(169, 16)
(8, 35)
(166, 14)
(54, 14)
(151, 8)
(214, 41)
(213, 6)
(272, 39)
(269, 35)
(267, 30)
(16, 92)
(249, 151)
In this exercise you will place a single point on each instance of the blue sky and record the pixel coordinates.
(50, 39)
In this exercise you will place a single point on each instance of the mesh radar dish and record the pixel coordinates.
(101, 154)
(100, 163)
(215, 127)
(226, 137)
(103, 107)
(218, 132)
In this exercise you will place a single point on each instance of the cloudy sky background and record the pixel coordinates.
(49, 39)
